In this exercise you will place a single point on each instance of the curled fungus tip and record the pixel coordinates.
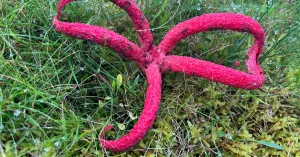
(107, 128)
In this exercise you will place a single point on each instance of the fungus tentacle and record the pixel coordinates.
(100, 35)
(210, 22)
(219, 21)
(140, 22)
(147, 117)
(213, 72)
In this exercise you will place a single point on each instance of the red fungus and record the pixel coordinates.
(237, 63)
(154, 60)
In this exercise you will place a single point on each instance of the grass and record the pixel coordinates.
(58, 93)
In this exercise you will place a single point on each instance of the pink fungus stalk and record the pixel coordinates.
(155, 60)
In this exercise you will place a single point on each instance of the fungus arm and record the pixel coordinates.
(146, 118)
(100, 35)
(218, 73)
(219, 21)
(213, 72)
(140, 22)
